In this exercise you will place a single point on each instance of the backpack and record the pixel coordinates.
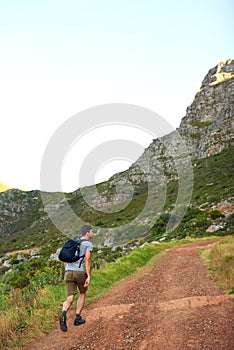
(70, 251)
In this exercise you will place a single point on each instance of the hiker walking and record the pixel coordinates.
(77, 277)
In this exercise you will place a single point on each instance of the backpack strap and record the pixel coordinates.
(80, 240)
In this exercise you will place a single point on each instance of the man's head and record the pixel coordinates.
(86, 230)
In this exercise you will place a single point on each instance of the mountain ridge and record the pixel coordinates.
(207, 129)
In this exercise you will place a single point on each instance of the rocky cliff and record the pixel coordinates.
(18, 209)
(208, 126)
(205, 130)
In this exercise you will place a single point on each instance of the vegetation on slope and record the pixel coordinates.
(28, 284)
(212, 184)
(220, 260)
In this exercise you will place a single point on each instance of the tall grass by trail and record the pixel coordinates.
(220, 260)
(33, 312)
(31, 315)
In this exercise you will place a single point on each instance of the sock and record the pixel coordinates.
(78, 316)
(64, 313)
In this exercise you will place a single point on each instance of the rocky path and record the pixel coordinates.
(171, 304)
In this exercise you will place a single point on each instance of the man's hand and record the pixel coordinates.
(87, 282)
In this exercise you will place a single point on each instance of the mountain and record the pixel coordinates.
(3, 187)
(183, 178)
(207, 128)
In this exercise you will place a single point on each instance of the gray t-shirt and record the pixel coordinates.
(75, 266)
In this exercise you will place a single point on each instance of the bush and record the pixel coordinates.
(215, 214)
(220, 258)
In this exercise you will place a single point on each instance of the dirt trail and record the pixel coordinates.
(171, 306)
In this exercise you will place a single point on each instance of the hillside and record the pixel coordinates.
(3, 187)
(194, 180)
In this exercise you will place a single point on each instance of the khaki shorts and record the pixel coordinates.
(74, 280)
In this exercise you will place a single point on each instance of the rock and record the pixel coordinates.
(214, 228)
(109, 242)
(54, 256)
(7, 263)
(20, 257)
(225, 208)
(224, 70)
(144, 244)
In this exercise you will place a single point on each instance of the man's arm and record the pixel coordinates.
(87, 267)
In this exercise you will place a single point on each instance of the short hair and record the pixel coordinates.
(84, 229)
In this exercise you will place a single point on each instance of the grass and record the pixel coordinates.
(29, 318)
(213, 178)
(220, 261)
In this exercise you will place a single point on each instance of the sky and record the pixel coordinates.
(59, 58)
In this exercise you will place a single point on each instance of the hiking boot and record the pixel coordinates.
(78, 320)
(62, 322)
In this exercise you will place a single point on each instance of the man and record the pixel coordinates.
(76, 276)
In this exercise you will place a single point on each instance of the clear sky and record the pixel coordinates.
(60, 57)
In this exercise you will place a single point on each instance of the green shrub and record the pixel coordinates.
(200, 124)
(215, 214)
(220, 259)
